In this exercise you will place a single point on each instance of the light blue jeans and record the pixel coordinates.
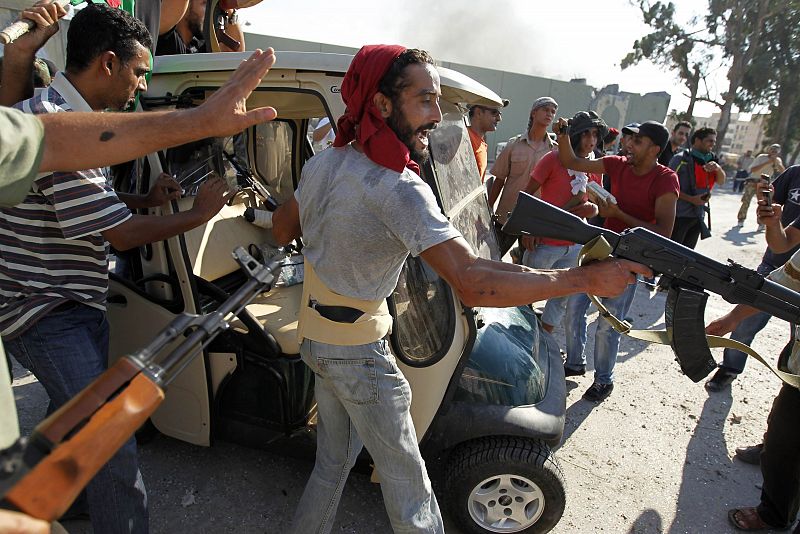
(606, 339)
(734, 360)
(553, 257)
(364, 399)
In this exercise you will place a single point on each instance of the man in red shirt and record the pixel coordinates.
(646, 194)
(483, 119)
(566, 189)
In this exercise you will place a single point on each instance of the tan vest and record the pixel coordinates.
(372, 326)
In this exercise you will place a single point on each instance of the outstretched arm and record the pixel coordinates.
(480, 282)
(76, 141)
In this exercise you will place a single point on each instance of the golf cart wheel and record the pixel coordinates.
(505, 485)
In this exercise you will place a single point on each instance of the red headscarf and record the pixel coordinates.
(362, 120)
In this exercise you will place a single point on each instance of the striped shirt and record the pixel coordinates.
(51, 247)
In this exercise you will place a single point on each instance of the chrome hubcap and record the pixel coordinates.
(506, 503)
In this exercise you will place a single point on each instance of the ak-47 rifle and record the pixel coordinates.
(689, 274)
(43, 474)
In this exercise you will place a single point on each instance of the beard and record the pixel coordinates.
(408, 134)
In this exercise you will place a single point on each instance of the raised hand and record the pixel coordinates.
(225, 112)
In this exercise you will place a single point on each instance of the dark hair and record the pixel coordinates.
(682, 124)
(394, 81)
(702, 133)
(472, 111)
(98, 28)
(575, 139)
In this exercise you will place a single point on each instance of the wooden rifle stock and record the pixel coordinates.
(66, 450)
(67, 470)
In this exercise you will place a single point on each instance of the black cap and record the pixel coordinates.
(586, 120)
(653, 130)
(627, 129)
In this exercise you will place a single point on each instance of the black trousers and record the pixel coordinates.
(780, 461)
(686, 231)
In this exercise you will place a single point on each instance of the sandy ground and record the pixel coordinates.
(655, 457)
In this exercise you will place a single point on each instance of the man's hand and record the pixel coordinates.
(45, 14)
(607, 209)
(609, 278)
(697, 200)
(165, 189)
(211, 196)
(712, 166)
(529, 242)
(560, 126)
(585, 210)
(724, 325)
(17, 523)
(769, 215)
(225, 112)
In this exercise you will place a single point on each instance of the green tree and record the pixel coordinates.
(687, 51)
(731, 32)
(738, 25)
(772, 76)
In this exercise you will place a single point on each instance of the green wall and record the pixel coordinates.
(521, 90)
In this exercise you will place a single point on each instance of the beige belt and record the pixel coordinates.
(370, 327)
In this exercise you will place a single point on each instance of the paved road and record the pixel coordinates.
(655, 457)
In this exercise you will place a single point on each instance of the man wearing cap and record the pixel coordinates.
(566, 189)
(482, 119)
(627, 136)
(698, 172)
(363, 208)
(646, 193)
(512, 170)
(769, 164)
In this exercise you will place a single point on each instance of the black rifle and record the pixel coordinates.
(689, 274)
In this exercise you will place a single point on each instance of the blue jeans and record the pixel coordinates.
(606, 339)
(364, 399)
(553, 257)
(734, 360)
(66, 350)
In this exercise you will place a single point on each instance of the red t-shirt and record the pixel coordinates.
(555, 186)
(636, 195)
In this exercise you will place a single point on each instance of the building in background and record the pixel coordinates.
(616, 107)
(742, 135)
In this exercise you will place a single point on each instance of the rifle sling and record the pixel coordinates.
(599, 249)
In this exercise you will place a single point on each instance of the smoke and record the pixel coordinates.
(499, 34)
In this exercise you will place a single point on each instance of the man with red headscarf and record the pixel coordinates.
(363, 208)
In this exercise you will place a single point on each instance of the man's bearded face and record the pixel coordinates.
(411, 136)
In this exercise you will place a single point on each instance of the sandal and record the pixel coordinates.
(747, 519)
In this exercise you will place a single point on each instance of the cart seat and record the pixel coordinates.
(277, 311)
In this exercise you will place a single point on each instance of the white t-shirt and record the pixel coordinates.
(360, 220)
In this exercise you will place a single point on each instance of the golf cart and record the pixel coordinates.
(488, 385)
